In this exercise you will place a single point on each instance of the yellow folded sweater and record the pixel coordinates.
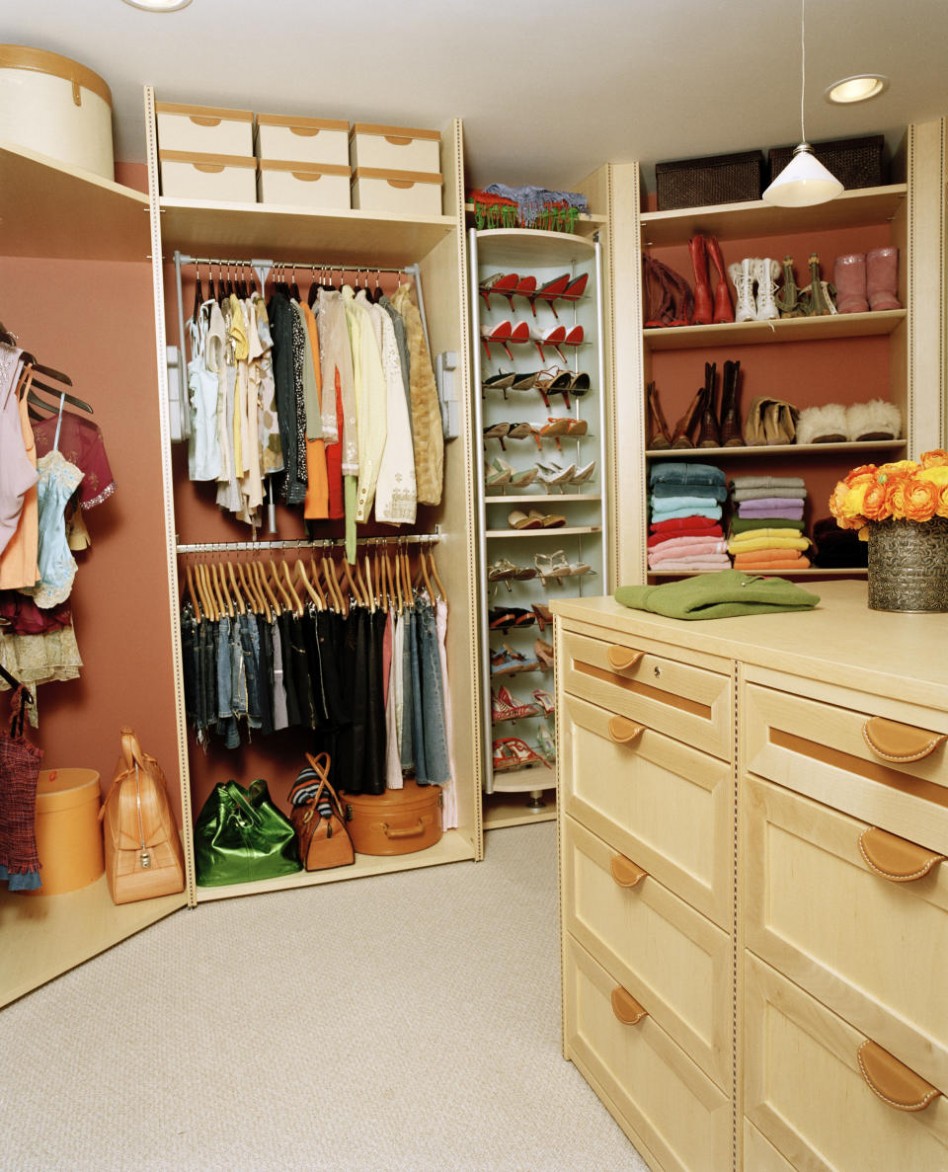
(782, 542)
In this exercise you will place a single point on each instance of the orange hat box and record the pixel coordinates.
(68, 834)
(396, 822)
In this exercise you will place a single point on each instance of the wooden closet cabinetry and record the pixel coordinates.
(799, 1022)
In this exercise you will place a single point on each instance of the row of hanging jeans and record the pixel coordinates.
(370, 685)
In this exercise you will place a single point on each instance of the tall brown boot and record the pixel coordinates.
(659, 436)
(731, 436)
(709, 436)
(703, 312)
(723, 306)
(681, 436)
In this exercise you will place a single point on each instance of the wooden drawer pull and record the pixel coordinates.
(623, 731)
(626, 1008)
(893, 1081)
(895, 858)
(899, 742)
(625, 872)
(622, 658)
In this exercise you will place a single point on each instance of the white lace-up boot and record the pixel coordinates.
(767, 271)
(744, 274)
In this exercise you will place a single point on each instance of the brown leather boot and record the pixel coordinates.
(703, 312)
(709, 435)
(681, 436)
(723, 306)
(659, 437)
(731, 436)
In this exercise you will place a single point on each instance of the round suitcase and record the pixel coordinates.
(396, 822)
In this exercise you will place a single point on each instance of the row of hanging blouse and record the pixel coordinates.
(367, 676)
(53, 469)
(335, 393)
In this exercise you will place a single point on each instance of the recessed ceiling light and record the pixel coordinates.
(159, 5)
(857, 89)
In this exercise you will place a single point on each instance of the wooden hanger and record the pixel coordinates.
(350, 581)
(258, 604)
(423, 568)
(436, 577)
(364, 573)
(263, 582)
(206, 592)
(192, 592)
(311, 587)
(235, 588)
(274, 579)
(297, 602)
(332, 584)
(221, 595)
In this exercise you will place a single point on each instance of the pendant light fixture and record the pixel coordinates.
(804, 181)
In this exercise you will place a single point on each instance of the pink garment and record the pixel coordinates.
(680, 547)
(712, 562)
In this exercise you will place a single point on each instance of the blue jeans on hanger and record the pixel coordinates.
(429, 731)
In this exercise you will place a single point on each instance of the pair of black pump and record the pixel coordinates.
(702, 425)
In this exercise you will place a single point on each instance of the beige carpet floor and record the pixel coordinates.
(409, 1021)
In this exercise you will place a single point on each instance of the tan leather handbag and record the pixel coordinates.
(143, 854)
(317, 818)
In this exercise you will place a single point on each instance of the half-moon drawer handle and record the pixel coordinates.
(623, 731)
(899, 742)
(622, 658)
(626, 1008)
(895, 858)
(625, 872)
(893, 1081)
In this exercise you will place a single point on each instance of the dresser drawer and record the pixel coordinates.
(805, 1090)
(824, 750)
(867, 946)
(689, 703)
(760, 1155)
(656, 1091)
(660, 803)
(668, 956)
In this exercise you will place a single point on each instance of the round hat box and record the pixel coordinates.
(396, 822)
(56, 107)
(68, 832)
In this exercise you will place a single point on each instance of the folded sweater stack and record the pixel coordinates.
(766, 530)
(685, 531)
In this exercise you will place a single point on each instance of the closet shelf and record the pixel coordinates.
(508, 246)
(588, 224)
(859, 208)
(453, 847)
(524, 781)
(813, 572)
(501, 811)
(542, 498)
(562, 531)
(50, 209)
(285, 233)
(765, 450)
(787, 329)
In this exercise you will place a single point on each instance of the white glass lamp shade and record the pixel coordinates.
(803, 182)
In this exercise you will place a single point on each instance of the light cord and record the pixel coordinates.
(802, 68)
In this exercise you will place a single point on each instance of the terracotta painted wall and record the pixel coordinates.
(95, 321)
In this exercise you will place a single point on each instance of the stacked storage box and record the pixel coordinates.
(304, 162)
(396, 169)
(206, 153)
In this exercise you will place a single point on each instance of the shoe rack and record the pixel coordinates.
(537, 379)
(806, 361)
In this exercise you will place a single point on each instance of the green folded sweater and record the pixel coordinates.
(718, 596)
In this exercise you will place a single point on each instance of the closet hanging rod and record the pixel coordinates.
(305, 543)
(259, 262)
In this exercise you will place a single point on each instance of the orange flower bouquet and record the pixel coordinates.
(901, 509)
(906, 490)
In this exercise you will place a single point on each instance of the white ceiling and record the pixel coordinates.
(547, 89)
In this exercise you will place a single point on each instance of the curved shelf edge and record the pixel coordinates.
(776, 450)
(785, 329)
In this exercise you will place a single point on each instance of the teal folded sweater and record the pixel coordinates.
(718, 596)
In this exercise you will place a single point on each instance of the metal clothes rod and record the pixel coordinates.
(305, 543)
(256, 262)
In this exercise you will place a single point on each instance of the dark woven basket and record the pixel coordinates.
(856, 162)
(693, 183)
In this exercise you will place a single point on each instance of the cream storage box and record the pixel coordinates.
(56, 107)
(207, 130)
(395, 148)
(303, 140)
(308, 185)
(411, 193)
(220, 178)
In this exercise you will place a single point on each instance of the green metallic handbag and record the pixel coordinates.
(241, 837)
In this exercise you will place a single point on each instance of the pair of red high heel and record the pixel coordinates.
(505, 332)
(562, 288)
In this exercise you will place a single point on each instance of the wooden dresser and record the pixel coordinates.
(755, 946)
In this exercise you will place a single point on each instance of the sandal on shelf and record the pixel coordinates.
(545, 700)
(580, 385)
(546, 746)
(581, 475)
(577, 427)
(553, 336)
(503, 706)
(556, 383)
(544, 616)
(503, 283)
(526, 382)
(553, 476)
(526, 286)
(555, 565)
(499, 382)
(499, 333)
(514, 478)
(544, 653)
(502, 619)
(497, 431)
(513, 753)
(503, 569)
(517, 519)
(496, 477)
(507, 662)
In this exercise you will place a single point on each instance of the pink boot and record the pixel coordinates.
(882, 278)
(849, 277)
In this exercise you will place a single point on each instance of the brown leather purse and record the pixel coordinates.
(318, 819)
(143, 853)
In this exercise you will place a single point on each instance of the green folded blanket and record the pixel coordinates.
(718, 596)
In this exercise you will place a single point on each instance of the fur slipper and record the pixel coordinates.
(875, 420)
(823, 425)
